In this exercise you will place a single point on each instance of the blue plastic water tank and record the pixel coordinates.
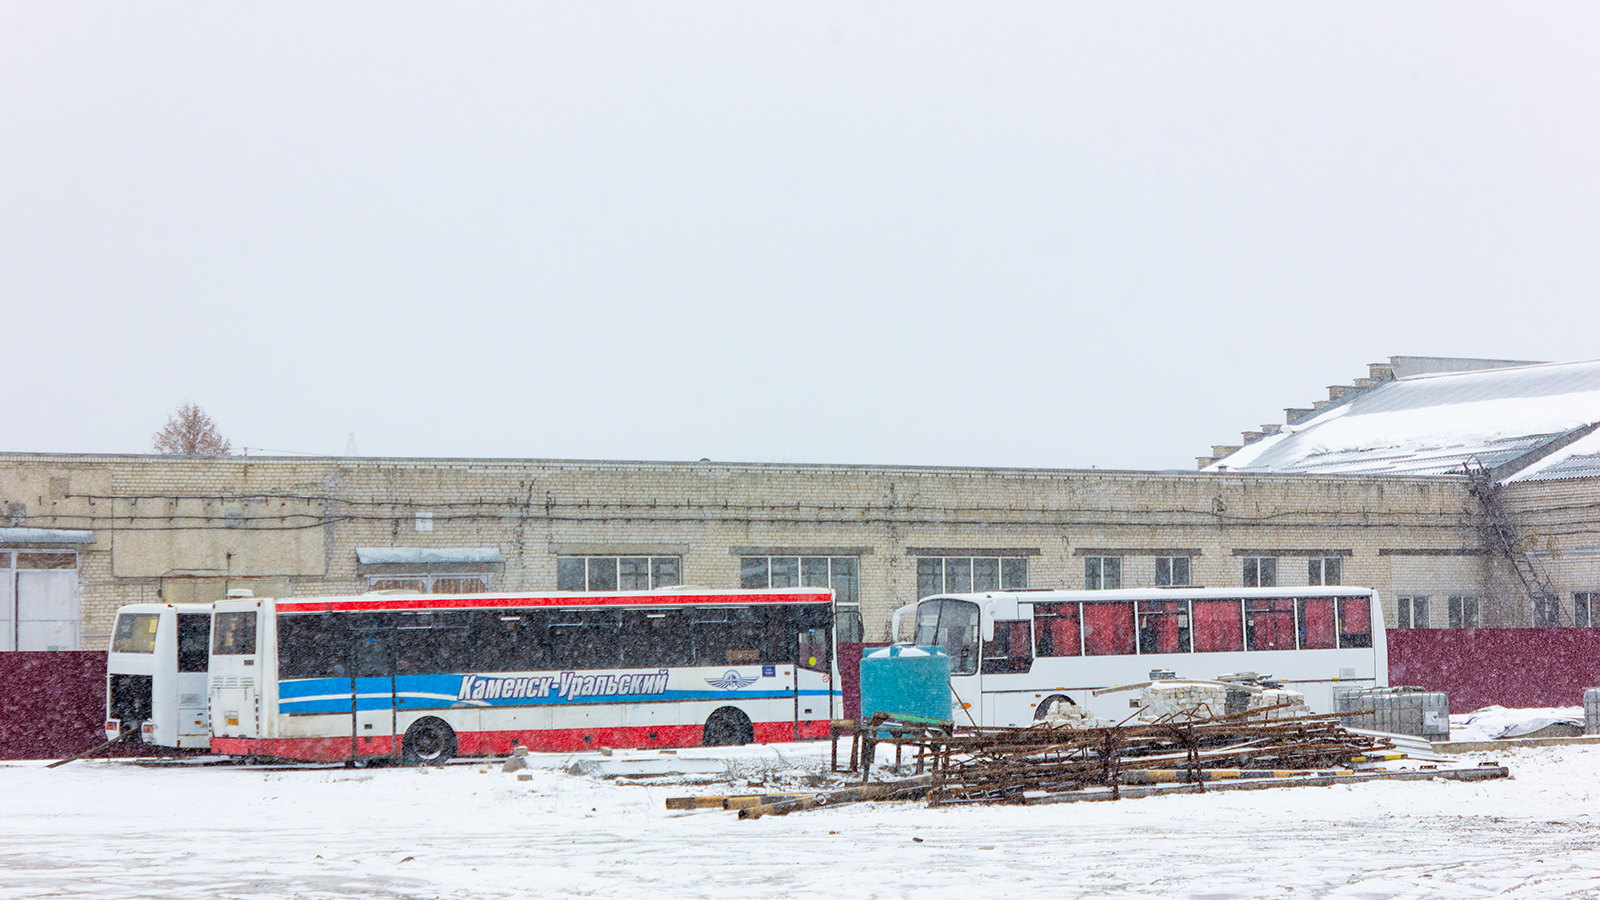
(906, 680)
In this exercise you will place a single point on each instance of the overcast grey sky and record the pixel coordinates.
(1001, 234)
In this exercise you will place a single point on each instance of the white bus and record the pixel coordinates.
(424, 677)
(156, 675)
(1013, 653)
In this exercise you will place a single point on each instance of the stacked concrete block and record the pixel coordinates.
(1397, 710)
(1187, 699)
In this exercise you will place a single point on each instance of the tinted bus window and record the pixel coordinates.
(511, 641)
(652, 638)
(136, 633)
(1108, 629)
(313, 647)
(727, 636)
(194, 636)
(1218, 626)
(1269, 623)
(1010, 651)
(1317, 630)
(1163, 626)
(1055, 630)
(235, 633)
(1355, 622)
(585, 639)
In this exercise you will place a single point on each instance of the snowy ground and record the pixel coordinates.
(115, 830)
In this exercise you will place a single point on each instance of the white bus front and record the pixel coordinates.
(156, 676)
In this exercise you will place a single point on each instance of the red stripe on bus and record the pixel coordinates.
(501, 743)
(429, 601)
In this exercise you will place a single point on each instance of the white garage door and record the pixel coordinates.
(47, 610)
(39, 600)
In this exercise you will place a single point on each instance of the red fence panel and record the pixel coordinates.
(1512, 667)
(850, 675)
(52, 704)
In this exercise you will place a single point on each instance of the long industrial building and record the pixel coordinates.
(1464, 491)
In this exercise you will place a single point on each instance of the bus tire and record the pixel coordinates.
(1046, 703)
(428, 741)
(728, 727)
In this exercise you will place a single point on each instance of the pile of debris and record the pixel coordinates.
(1054, 761)
(1008, 764)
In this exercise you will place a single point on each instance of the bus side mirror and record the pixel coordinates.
(986, 619)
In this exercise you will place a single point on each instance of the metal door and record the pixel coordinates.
(47, 609)
(372, 700)
(8, 606)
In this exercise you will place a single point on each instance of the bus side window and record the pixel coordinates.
(314, 646)
(194, 641)
(1355, 622)
(726, 637)
(512, 640)
(652, 638)
(1163, 626)
(1269, 623)
(1010, 651)
(1108, 628)
(1317, 630)
(1056, 631)
(1218, 626)
(585, 639)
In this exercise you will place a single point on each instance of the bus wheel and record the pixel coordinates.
(1046, 703)
(727, 727)
(428, 740)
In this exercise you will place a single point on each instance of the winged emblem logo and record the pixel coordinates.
(731, 681)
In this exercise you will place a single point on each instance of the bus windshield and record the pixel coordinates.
(953, 625)
(136, 633)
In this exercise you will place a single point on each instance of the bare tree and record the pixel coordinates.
(191, 432)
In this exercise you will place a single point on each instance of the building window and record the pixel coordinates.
(1260, 571)
(1324, 570)
(1546, 612)
(1102, 573)
(1462, 611)
(618, 573)
(969, 574)
(1586, 609)
(1172, 571)
(840, 573)
(1411, 612)
(441, 583)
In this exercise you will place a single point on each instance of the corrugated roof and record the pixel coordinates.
(32, 536)
(1434, 424)
(377, 556)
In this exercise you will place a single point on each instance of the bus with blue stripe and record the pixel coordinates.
(421, 678)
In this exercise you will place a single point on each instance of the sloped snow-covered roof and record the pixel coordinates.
(1435, 423)
(1579, 459)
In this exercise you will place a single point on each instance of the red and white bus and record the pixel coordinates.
(1014, 653)
(424, 677)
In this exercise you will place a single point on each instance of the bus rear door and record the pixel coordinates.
(194, 644)
(236, 670)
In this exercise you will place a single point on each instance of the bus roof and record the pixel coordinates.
(1159, 593)
(656, 599)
